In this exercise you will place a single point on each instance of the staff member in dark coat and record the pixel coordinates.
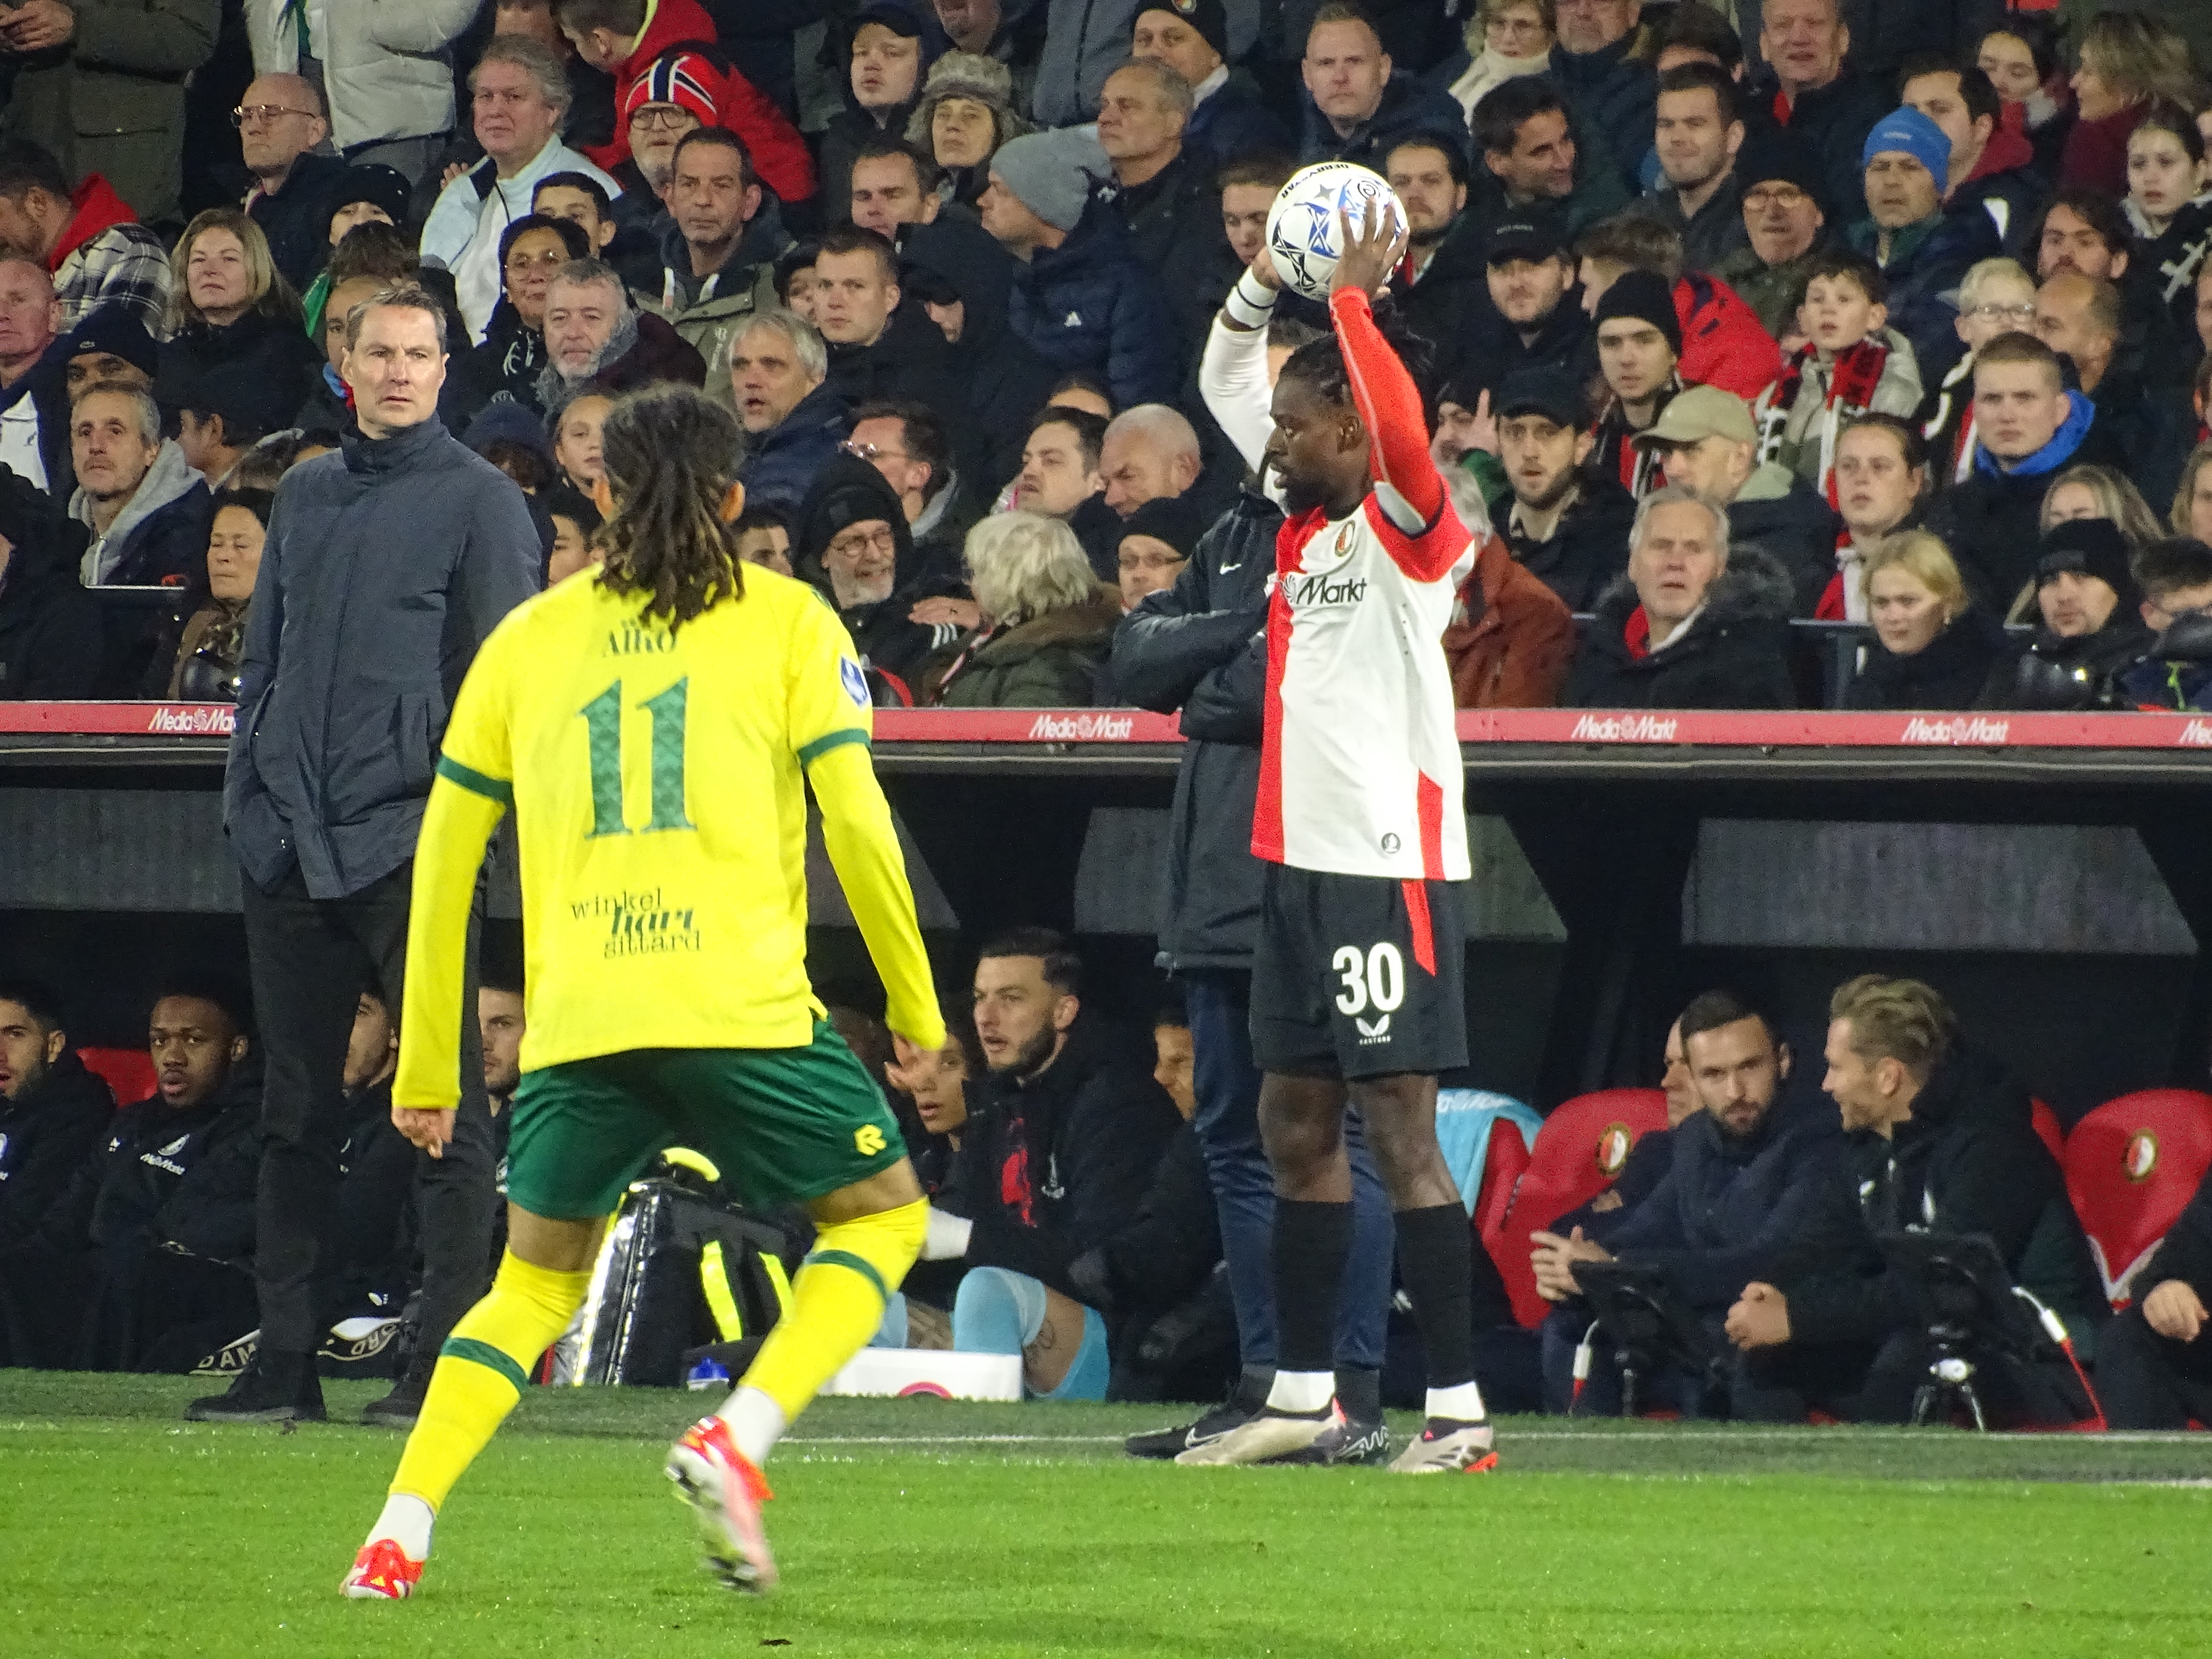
(1941, 1140)
(386, 565)
(52, 1109)
(51, 635)
(2154, 1362)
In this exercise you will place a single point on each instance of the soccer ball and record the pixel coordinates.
(1302, 234)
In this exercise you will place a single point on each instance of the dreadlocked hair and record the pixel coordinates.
(1319, 365)
(669, 456)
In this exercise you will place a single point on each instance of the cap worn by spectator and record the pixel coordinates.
(506, 420)
(114, 331)
(1778, 157)
(1052, 173)
(2094, 547)
(682, 78)
(1208, 17)
(1909, 130)
(1174, 520)
(1549, 392)
(895, 18)
(1519, 239)
(1647, 297)
(1699, 412)
(248, 397)
(373, 182)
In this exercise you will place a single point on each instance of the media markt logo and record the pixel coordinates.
(1082, 728)
(193, 720)
(2197, 734)
(1626, 728)
(1972, 729)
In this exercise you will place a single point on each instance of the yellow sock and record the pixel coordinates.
(482, 1372)
(837, 1303)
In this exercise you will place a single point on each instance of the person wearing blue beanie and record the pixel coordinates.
(1907, 130)
(1924, 253)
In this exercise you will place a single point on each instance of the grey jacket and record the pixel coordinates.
(386, 566)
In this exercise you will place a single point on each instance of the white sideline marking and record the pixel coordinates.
(1656, 1436)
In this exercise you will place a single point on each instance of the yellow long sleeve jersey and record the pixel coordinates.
(658, 777)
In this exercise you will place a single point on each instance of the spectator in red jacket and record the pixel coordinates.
(627, 39)
(1724, 342)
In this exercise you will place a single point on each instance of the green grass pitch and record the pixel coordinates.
(924, 1528)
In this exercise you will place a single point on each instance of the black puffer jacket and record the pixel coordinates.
(1949, 672)
(1060, 1165)
(2095, 664)
(1588, 548)
(184, 1179)
(847, 491)
(50, 632)
(46, 1133)
(1790, 522)
(1733, 655)
(1199, 648)
(1968, 1160)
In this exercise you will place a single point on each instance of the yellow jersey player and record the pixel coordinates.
(654, 728)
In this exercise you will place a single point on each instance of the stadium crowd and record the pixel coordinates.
(1731, 322)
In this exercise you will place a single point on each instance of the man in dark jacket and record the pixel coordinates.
(1081, 299)
(51, 636)
(1827, 109)
(1198, 648)
(1603, 61)
(1925, 252)
(1357, 105)
(2153, 1365)
(1566, 527)
(852, 541)
(1701, 128)
(597, 341)
(1752, 1178)
(964, 281)
(280, 123)
(386, 566)
(794, 419)
(1942, 1142)
(2027, 428)
(1693, 624)
(52, 1109)
(880, 349)
(1166, 193)
(1063, 1140)
(1785, 224)
(1231, 117)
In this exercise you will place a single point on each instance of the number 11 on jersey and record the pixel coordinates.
(603, 719)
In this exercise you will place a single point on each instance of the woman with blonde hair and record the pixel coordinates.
(2127, 58)
(1048, 621)
(228, 303)
(2087, 491)
(1933, 647)
(1505, 39)
(2192, 502)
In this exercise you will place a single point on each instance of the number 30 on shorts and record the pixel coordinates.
(1376, 979)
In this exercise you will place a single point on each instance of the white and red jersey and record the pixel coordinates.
(1360, 770)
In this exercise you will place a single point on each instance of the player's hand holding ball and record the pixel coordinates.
(1372, 249)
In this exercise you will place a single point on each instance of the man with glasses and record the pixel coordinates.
(908, 444)
(281, 130)
(1997, 297)
(1786, 228)
(852, 543)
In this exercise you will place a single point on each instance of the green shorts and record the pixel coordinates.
(783, 1125)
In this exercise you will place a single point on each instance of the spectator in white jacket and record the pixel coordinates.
(384, 70)
(520, 92)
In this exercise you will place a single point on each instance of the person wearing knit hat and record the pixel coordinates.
(1046, 177)
(2091, 614)
(110, 345)
(1924, 254)
(888, 50)
(367, 190)
(1639, 341)
(1157, 541)
(675, 96)
(1785, 216)
(967, 110)
(1905, 131)
(1231, 117)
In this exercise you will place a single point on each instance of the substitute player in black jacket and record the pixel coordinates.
(52, 1109)
(2154, 1361)
(1941, 1141)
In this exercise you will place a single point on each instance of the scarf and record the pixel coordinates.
(1492, 69)
(1641, 471)
(1852, 379)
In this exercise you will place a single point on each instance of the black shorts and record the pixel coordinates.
(1358, 976)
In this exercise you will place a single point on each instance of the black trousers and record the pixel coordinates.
(2147, 1381)
(1877, 1384)
(312, 959)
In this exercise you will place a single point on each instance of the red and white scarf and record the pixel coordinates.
(1853, 378)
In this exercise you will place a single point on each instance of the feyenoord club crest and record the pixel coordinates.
(2141, 1156)
(1613, 1148)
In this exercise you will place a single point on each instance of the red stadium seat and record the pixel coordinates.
(2047, 1126)
(127, 1071)
(1502, 1170)
(2131, 1167)
(1583, 1145)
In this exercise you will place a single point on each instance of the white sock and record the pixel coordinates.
(1462, 1403)
(1302, 1391)
(406, 1520)
(756, 1421)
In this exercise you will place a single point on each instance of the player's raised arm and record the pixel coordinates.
(1232, 371)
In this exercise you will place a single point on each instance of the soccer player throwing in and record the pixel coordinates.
(1356, 980)
(655, 729)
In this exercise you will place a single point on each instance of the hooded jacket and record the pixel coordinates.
(1589, 547)
(1927, 262)
(1991, 520)
(50, 628)
(386, 566)
(1731, 1210)
(1510, 639)
(846, 491)
(160, 535)
(710, 312)
(2003, 188)
(1615, 93)
(1051, 661)
(1949, 672)
(46, 1133)
(1733, 655)
(785, 460)
(1778, 514)
(1968, 1160)
(1091, 303)
(1057, 1165)
(1723, 342)
(1408, 105)
(852, 125)
(1002, 378)
(1199, 648)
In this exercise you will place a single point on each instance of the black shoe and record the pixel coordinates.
(1172, 1443)
(399, 1408)
(277, 1387)
(1348, 1439)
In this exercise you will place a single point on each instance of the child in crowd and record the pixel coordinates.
(575, 521)
(576, 442)
(1997, 297)
(2168, 207)
(1851, 364)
